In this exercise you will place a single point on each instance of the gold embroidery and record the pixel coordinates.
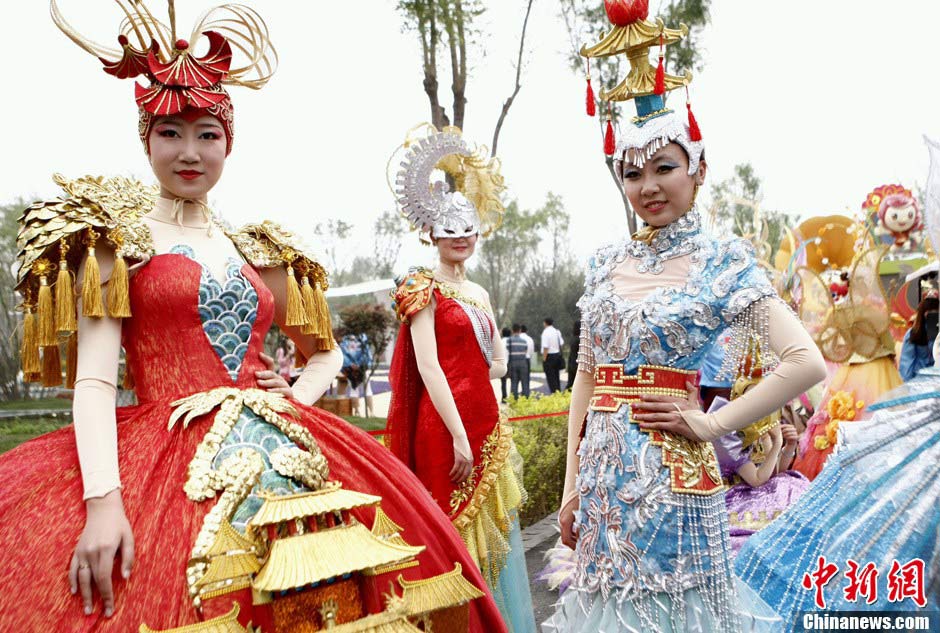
(238, 474)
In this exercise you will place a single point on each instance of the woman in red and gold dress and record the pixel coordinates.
(223, 498)
(444, 421)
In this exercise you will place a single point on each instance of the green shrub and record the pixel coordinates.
(542, 443)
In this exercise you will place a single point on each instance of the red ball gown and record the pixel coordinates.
(170, 356)
(484, 508)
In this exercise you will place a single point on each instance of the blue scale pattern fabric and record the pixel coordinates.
(228, 311)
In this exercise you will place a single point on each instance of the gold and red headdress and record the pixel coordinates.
(180, 82)
(655, 125)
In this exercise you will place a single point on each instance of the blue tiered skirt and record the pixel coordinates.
(877, 500)
(512, 593)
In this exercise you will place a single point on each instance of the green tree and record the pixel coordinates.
(507, 257)
(449, 24)
(551, 293)
(388, 230)
(736, 207)
(452, 26)
(10, 385)
(331, 235)
(586, 22)
(376, 322)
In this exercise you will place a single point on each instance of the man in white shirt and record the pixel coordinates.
(552, 360)
(529, 350)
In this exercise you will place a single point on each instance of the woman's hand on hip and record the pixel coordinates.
(569, 535)
(664, 413)
(107, 533)
(463, 460)
(270, 380)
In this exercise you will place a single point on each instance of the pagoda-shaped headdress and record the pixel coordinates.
(180, 83)
(655, 125)
(465, 202)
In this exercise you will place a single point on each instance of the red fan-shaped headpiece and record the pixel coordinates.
(185, 81)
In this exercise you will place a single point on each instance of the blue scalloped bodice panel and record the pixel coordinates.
(227, 310)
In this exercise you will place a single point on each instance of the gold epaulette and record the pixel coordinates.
(54, 237)
(413, 293)
(267, 245)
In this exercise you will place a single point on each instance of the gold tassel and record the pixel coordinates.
(51, 366)
(46, 312)
(29, 350)
(128, 382)
(65, 320)
(310, 308)
(324, 325)
(71, 360)
(91, 285)
(119, 301)
(295, 301)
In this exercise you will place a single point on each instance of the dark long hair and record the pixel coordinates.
(920, 327)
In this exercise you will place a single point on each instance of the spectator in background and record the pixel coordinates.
(917, 349)
(552, 360)
(505, 333)
(573, 353)
(518, 364)
(284, 355)
(529, 351)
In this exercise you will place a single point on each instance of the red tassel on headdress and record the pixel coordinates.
(589, 101)
(610, 143)
(695, 134)
(660, 87)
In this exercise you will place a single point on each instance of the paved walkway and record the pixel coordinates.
(536, 540)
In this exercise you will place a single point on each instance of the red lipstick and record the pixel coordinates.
(189, 174)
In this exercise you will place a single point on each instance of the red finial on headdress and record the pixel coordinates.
(610, 143)
(660, 88)
(589, 99)
(695, 134)
(626, 12)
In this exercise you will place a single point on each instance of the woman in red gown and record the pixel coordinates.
(444, 420)
(213, 436)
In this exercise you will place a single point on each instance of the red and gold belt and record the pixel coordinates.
(613, 388)
(693, 467)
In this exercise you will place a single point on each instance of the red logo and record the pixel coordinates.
(862, 582)
(819, 578)
(907, 581)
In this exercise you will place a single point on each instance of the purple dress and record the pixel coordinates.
(751, 509)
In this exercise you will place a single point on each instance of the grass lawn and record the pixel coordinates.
(15, 431)
(366, 424)
(33, 405)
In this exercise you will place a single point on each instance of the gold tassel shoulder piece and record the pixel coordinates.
(65, 319)
(66, 230)
(29, 346)
(268, 245)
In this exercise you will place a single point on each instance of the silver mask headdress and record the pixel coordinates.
(474, 205)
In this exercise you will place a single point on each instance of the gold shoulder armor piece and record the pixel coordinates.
(111, 207)
(53, 239)
(268, 245)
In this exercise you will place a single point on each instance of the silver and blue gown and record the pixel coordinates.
(653, 555)
(877, 500)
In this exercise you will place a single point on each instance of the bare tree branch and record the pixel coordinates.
(508, 103)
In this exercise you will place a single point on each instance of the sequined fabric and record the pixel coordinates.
(648, 554)
(875, 501)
